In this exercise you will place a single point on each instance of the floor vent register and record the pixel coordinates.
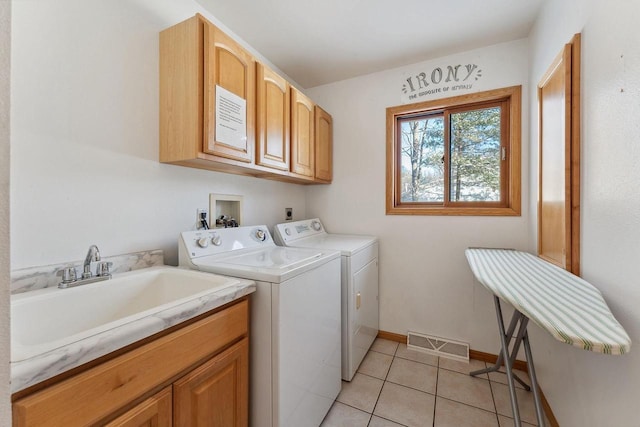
(438, 346)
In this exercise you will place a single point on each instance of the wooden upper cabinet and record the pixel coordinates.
(181, 89)
(229, 100)
(302, 135)
(273, 119)
(221, 110)
(324, 146)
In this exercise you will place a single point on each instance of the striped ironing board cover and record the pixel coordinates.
(568, 307)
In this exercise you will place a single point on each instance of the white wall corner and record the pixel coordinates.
(5, 61)
(584, 388)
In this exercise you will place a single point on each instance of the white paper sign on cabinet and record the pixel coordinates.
(231, 118)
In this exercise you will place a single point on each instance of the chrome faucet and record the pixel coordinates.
(93, 254)
(68, 274)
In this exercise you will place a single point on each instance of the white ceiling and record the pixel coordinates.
(325, 41)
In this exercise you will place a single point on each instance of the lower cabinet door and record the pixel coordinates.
(216, 394)
(156, 411)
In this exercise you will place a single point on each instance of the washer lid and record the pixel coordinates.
(275, 264)
(345, 243)
(275, 258)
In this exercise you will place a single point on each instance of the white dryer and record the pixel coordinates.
(359, 273)
(295, 320)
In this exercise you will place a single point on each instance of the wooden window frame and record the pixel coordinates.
(510, 99)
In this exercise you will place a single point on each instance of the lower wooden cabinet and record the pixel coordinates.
(197, 375)
(156, 411)
(216, 394)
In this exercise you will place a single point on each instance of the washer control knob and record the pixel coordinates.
(203, 242)
(216, 240)
(261, 235)
(287, 231)
(316, 225)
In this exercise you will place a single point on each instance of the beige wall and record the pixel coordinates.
(5, 49)
(587, 389)
(425, 282)
(84, 160)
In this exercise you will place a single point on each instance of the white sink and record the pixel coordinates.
(49, 319)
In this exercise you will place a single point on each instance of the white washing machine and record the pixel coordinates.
(359, 272)
(295, 320)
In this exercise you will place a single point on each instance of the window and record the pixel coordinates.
(455, 156)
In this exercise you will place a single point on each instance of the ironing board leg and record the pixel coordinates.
(508, 364)
(517, 316)
(509, 358)
(512, 328)
(534, 381)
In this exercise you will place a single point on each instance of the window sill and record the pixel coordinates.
(452, 211)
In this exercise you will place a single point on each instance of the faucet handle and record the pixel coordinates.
(102, 268)
(68, 275)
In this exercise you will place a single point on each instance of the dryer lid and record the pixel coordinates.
(345, 243)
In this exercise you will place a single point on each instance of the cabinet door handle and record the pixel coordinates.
(358, 300)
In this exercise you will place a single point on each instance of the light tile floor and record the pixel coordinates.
(395, 386)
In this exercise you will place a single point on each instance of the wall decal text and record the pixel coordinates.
(440, 80)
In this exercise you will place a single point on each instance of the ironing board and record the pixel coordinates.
(572, 310)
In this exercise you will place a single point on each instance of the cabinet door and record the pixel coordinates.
(559, 160)
(273, 118)
(324, 145)
(217, 393)
(229, 100)
(302, 135)
(153, 412)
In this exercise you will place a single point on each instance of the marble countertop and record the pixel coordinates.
(31, 371)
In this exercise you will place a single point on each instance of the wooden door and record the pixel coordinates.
(229, 99)
(324, 145)
(302, 135)
(559, 160)
(153, 412)
(217, 393)
(273, 119)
